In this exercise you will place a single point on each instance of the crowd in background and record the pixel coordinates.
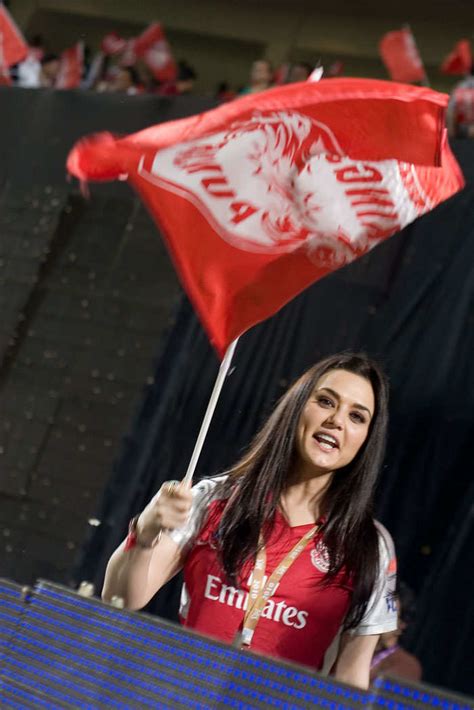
(118, 72)
(106, 73)
(460, 115)
(101, 72)
(145, 64)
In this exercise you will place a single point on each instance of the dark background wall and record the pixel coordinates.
(89, 301)
(86, 291)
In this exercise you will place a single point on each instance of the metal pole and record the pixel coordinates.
(223, 371)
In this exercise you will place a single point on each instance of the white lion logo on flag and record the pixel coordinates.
(280, 182)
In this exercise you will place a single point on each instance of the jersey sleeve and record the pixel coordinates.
(202, 496)
(381, 615)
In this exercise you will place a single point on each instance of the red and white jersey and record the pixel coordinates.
(301, 622)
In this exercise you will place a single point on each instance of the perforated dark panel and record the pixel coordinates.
(67, 651)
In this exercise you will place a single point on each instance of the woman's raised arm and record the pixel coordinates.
(136, 574)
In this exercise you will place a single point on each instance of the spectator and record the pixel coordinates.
(125, 80)
(299, 72)
(27, 73)
(49, 70)
(261, 75)
(186, 78)
(37, 48)
(335, 69)
(389, 656)
(224, 93)
(184, 83)
(460, 115)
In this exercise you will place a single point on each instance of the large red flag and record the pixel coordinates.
(400, 56)
(71, 67)
(152, 47)
(13, 48)
(262, 196)
(459, 60)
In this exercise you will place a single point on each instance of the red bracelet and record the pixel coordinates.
(132, 540)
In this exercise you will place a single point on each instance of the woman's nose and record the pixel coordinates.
(335, 419)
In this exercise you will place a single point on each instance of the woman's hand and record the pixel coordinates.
(167, 510)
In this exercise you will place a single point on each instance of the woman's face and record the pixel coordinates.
(335, 421)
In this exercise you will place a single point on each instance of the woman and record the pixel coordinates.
(304, 487)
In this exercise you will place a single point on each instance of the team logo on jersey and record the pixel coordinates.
(320, 557)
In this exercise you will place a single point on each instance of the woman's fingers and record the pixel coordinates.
(170, 507)
(175, 490)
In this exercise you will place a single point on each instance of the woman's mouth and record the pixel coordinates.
(326, 442)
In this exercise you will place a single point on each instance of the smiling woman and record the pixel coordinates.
(281, 553)
(335, 421)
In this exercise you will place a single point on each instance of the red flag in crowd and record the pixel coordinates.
(401, 57)
(152, 47)
(459, 61)
(112, 44)
(261, 197)
(13, 48)
(71, 67)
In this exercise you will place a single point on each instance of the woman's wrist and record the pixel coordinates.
(139, 536)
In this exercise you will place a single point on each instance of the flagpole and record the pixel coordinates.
(221, 375)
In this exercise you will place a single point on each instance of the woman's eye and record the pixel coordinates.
(325, 401)
(357, 417)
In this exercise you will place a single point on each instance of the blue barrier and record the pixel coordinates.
(61, 650)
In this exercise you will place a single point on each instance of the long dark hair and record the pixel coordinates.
(254, 486)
